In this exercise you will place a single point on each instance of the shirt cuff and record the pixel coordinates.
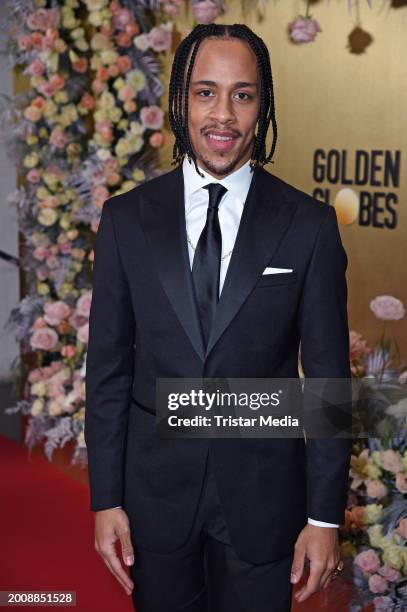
(321, 523)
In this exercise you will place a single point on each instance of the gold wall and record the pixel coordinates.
(328, 98)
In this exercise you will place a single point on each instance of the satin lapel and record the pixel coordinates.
(163, 220)
(265, 218)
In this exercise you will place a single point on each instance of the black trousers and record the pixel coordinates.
(205, 574)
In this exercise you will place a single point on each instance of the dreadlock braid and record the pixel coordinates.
(178, 98)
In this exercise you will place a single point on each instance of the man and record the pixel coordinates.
(179, 291)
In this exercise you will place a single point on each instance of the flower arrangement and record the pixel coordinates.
(374, 536)
(89, 127)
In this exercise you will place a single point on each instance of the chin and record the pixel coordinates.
(219, 165)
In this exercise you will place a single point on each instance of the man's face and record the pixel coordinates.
(223, 105)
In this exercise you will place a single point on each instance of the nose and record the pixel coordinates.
(222, 110)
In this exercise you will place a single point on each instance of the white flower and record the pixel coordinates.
(387, 308)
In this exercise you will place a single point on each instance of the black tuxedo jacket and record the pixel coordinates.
(144, 325)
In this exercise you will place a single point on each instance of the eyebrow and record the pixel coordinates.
(214, 84)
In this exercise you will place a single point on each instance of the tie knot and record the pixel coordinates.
(216, 191)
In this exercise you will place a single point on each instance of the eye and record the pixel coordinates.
(203, 93)
(246, 96)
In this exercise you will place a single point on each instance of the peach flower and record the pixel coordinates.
(156, 140)
(68, 351)
(391, 461)
(376, 489)
(81, 65)
(402, 528)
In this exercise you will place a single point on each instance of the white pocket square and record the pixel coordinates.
(276, 270)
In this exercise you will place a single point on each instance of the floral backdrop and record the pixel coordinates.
(90, 126)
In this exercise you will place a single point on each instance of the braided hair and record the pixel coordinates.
(178, 103)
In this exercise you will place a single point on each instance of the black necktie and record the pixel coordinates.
(206, 263)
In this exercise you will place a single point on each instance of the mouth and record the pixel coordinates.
(220, 140)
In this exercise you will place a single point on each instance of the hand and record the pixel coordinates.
(321, 546)
(111, 525)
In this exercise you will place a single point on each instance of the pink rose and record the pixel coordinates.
(401, 482)
(36, 68)
(77, 320)
(40, 253)
(46, 89)
(383, 603)
(84, 303)
(57, 138)
(152, 117)
(52, 262)
(68, 351)
(159, 38)
(65, 248)
(402, 528)
(105, 128)
(83, 333)
(55, 312)
(127, 92)
(387, 308)
(377, 584)
(122, 18)
(42, 273)
(376, 489)
(99, 195)
(391, 461)
(24, 42)
(389, 573)
(358, 346)
(367, 560)
(42, 19)
(205, 11)
(303, 29)
(33, 176)
(44, 339)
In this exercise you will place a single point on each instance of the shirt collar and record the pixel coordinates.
(237, 182)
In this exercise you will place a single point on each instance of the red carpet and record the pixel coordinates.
(47, 537)
(47, 534)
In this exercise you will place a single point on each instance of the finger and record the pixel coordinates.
(327, 575)
(114, 564)
(313, 582)
(110, 568)
(126, 547)
(297, 566)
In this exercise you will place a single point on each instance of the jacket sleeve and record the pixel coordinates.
(324, 334)
(109, 368)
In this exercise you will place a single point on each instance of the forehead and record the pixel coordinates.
(225, 60)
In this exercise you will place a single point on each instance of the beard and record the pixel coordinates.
(218, 167)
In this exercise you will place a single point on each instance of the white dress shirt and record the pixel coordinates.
(230, 210)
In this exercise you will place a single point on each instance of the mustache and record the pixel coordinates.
(206, 129)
